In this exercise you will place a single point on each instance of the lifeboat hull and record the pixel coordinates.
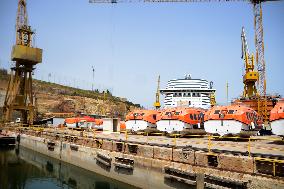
(87, 125)
(170, 126)
(138, 125)
(277, 127)
(224, 127)
(71, 125)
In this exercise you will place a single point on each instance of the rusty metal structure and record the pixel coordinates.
(19, 94)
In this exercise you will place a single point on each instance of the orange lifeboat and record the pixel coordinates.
(277, 118)
(181, 119)
(140, 120)
(233, 119)
(83, 122)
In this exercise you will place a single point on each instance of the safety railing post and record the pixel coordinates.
(249, 145)
(274, 169)
(147, 137)
(209, 143)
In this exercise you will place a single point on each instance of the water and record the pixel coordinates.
(21, 168)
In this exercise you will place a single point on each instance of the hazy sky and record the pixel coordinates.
(130, 44)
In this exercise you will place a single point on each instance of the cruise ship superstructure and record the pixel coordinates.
(188, 92)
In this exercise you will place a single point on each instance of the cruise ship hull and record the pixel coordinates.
(277, 127)
(225, 127)
(139, 125)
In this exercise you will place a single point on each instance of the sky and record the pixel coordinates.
(130, 44)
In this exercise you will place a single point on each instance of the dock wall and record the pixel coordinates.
(145, 164)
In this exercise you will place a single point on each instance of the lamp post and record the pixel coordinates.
(93, 69)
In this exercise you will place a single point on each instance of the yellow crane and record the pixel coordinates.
(251, 76)
(157, 103)
(213, 99)
(19, 94)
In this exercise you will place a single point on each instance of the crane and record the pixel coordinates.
(157, 103)
(251, 76)
(19, 95)
(212, 99)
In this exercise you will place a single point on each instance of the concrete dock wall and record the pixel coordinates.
(84, 158)
(147, 163)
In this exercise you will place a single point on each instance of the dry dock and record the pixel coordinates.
(161, 162)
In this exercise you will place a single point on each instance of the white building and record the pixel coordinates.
(188, 92)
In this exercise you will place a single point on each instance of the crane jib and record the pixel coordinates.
(175, 1)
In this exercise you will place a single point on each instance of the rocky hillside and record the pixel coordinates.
(51, 97)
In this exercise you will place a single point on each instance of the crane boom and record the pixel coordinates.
(259, 47)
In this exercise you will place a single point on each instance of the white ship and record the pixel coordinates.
(188, 92)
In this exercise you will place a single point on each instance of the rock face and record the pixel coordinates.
(51, 97)
(47, 102)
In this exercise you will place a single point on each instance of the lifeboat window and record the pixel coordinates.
(154, 117)
(191, 116)
(201, 116)
(194, 115)
(231, 111)
(142, 114)
(217, 112)
(168, 113)
(176, 113)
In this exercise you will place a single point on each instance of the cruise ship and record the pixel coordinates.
(188, 92)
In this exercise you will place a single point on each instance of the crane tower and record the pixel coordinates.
(251, 76)
(157, 103)
(19, 94)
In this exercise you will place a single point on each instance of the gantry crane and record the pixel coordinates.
(157, 103)
(19, 94)
(250, 76)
